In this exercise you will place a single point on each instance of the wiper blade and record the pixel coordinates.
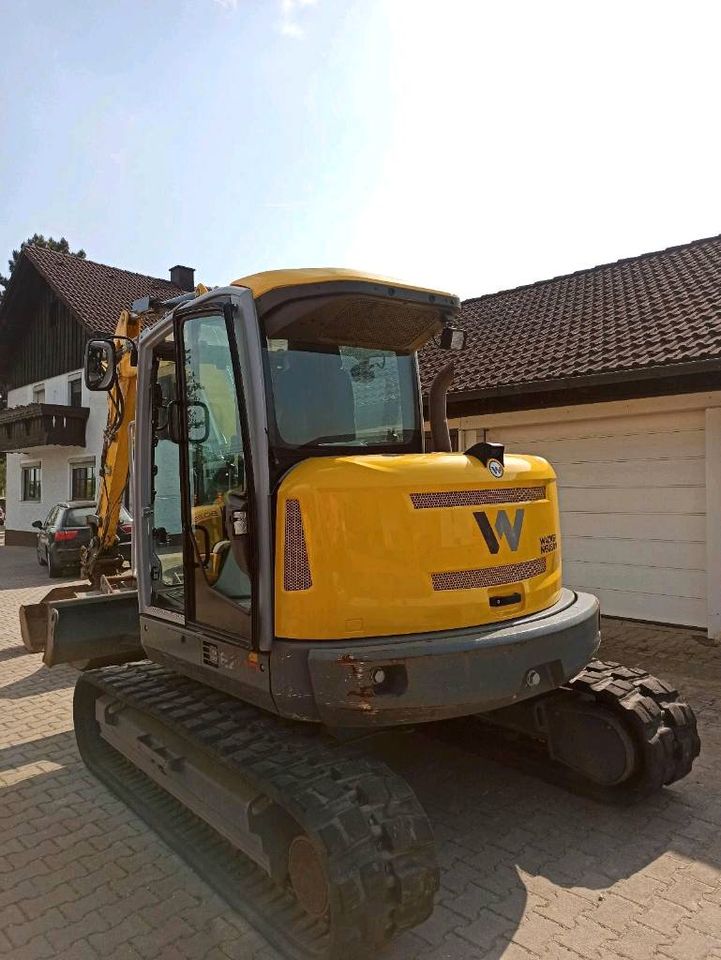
(331, 438)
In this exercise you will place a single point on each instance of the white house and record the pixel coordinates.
(40, 476)
(52, 429)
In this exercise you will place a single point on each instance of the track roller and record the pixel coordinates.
(327, 852)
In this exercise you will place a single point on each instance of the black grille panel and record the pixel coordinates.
(296, 569)
(477, 498)
(488, 577)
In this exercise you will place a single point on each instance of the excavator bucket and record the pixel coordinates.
(84, 626)
(34, 616)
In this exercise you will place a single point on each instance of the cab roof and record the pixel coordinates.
(262, 283)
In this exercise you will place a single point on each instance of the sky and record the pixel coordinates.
(464, 144)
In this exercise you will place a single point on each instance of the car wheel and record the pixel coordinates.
(53, 569)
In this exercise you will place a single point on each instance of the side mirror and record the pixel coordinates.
(452, 338)
(38, 524)
(198, 423)
(99, 365)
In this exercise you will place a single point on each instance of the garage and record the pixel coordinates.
(632, 493)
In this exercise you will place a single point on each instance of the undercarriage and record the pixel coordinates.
(322, 847)
(328, 853)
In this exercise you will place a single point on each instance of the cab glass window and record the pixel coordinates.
(325, 396)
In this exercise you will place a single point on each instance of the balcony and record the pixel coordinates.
(42, 425)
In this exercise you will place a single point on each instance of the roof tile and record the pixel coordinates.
(95, 292)
(654, 310)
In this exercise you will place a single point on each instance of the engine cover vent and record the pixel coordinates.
(296, 569)
(488, 577)
(474, 498)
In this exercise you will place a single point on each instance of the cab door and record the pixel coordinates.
(216, 468)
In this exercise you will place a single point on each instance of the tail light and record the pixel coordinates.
(126, 527)
(65, 535)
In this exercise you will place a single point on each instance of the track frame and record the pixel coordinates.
(369, 831)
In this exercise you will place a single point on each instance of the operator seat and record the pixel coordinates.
(313, 396)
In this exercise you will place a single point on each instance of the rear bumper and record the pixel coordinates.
(434, 676)
(65, 556)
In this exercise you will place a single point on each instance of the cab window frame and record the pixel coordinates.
(216, 308)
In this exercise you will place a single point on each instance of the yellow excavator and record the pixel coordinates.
(305, 577)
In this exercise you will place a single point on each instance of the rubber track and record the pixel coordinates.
(660, 723)
(380, 851)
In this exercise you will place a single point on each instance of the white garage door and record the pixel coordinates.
(633, 503)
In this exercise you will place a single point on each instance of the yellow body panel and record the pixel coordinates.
(372, 554)
(260, 283)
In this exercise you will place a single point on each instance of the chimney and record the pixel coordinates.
(183, 277)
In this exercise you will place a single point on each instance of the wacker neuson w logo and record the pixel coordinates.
(503, 529)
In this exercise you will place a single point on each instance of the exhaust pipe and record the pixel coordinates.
(437, 408)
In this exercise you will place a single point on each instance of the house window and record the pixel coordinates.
(31, 483)
(39, 393)
(82, 480)
(75, 392)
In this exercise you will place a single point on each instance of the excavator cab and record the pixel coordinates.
(247, 383)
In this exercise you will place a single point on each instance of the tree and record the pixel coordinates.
(37, 240)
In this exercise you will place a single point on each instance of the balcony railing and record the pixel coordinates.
(42, 425)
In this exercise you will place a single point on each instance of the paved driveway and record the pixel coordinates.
(528, 871)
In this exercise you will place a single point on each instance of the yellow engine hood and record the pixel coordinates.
(377, 545)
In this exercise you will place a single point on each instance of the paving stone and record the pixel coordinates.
(160, 937)
(454, 948)
(471, 902)
(692, 945)
(707, 919)
(536, 933)
(565, 908)
(616, 912)
(640, 942)
(686, 891)
(442, 922)
(36, 949)
(119, 935)
(587, 938)
(64, 937)
(707, 873)
(665, 916)
(639, 888)
(486, 929)
(457, 877)
(24, 931)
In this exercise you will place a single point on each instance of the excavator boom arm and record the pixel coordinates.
(101, 557)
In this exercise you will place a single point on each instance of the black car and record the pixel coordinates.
(65, 530)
